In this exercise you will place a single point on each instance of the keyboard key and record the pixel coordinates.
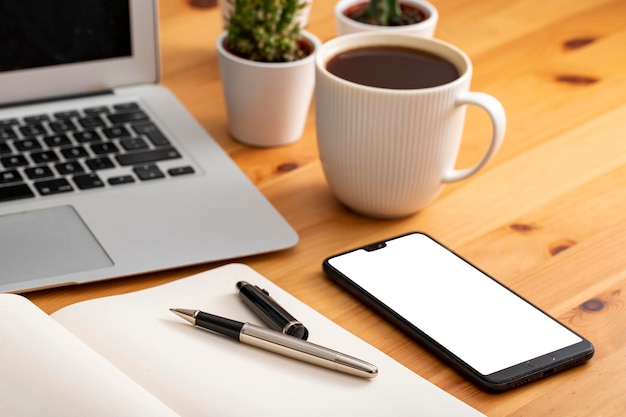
(87, 181)
(67, 168)
(9, 122)
(127, 117)
(87, 136)
(122, 179)
(133, 144)
(152, 132)
(148, 156)
(126, 106)
(7, 133)
(13, 161)
(148, 172)
(180, 171)
(66, 114)
(8, 177)
(57, 140)
(62, 125)
(116, 132)
(31, 144)
(96, 110)
(14, 192)
(56, 186)
(36, 118)
(44, 157)
(104, 148)
(74, 152)
(33, 130)
(38, 173)
(91, 121)
(102, 162)
(4, 148)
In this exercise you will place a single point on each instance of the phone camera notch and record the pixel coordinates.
(375, 246)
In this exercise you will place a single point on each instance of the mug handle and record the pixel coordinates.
(498, 120)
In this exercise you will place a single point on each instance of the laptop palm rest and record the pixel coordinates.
(47, 242)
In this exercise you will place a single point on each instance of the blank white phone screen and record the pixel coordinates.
(471, 315)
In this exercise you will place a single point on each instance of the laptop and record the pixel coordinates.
(103, 173)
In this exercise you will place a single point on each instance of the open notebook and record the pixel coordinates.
(127, 355)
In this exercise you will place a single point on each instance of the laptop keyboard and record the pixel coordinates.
(69, 151)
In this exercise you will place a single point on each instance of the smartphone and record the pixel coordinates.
(484, 330)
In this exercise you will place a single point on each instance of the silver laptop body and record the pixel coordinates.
(193, 204)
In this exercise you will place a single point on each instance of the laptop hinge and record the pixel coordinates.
(56, 98)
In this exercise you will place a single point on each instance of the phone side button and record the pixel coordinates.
(542, 361)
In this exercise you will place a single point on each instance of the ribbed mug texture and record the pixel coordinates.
(384, 152)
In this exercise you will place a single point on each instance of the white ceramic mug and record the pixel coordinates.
(425, 28)
(388, 153)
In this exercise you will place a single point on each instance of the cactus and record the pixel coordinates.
(382, 12)
(266, 30)
(386, 13)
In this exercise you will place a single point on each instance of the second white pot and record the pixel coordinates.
(425, 28)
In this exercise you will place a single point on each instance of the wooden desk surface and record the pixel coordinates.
(547, 217)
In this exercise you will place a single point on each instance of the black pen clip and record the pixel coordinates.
(272, 313)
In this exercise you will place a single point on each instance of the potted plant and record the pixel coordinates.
(267, 68)
(227, 6)
(417, 17)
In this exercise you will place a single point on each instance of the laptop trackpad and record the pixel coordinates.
(47, 242)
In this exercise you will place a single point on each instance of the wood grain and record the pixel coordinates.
(547, 216)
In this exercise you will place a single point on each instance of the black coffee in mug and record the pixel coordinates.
(393, 67)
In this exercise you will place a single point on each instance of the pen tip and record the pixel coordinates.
(186, 314)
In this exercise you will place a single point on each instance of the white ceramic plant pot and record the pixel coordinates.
(267, 103)
(226, 9)
(425, 28)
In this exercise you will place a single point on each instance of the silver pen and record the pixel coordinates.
(279, 343)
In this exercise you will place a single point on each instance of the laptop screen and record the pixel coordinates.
(41, 33)
(61, 48)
